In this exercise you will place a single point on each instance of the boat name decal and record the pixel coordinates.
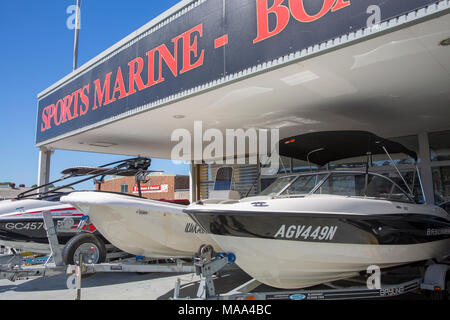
(306, 232)
(437, 232)
(193, 228)
(141, 212)
(260, 204)
(24, 226)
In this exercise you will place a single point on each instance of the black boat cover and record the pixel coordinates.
(86, 171)
(324, 147)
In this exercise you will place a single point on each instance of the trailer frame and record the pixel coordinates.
(435, 280)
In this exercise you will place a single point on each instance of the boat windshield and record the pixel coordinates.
(278, 185)
(303, 184)
(354, 184)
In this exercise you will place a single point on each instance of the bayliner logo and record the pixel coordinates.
(193, 228)
(438, 232)
(306, 232)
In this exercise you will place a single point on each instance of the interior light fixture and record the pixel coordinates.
(102, 144)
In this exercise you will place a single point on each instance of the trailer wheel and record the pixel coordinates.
(92, 248)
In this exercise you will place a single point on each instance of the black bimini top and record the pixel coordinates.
(85, 171)
(324, 147)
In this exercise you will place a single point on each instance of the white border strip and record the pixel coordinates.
(343, 40)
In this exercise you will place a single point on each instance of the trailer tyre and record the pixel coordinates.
(92, 248)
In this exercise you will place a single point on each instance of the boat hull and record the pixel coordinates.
(295, 264)
(140, 226)
(25, 230)
(299, 242)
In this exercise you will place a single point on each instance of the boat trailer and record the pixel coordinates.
(207, 265)
(13, 267)
(435, 282)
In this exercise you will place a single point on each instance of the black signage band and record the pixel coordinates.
(213, 42)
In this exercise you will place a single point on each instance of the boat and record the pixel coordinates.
(317, 227)
(144, 227)
(22, 224)
(141, 226)
(21, 219)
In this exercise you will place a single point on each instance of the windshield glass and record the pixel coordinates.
(303, 184)
(354, 184)
(224, 178)
(277, 186)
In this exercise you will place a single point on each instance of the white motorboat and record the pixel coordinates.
(141, 226)
(22, 224)
(21, 219)
(147, 227)
(318, 227)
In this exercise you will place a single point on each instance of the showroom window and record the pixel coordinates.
(439, 145)
(441, 182)
(124, 188)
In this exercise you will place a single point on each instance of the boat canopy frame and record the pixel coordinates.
(129, 167)
(324, 147)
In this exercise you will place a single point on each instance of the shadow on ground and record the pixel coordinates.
(224, 283)
(59, 282)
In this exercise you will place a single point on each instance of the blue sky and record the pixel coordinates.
(36, 51)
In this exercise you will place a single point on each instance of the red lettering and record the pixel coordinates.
(75, 103)
(191, 47)
(51, 113)
(171, 61)
(298, 10)
(135, 75)
(85, 100)
(119, 86)
(55, 113)
(340, 4)
(46, 121)
(280, 11)
(151, 69)
(66, 115)
(101, 93)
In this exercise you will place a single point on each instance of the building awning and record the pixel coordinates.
(332, 73)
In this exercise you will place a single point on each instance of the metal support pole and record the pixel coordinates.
(77, 31)
(192, 182)
(79, 272)
(426, 173)
(53, 238)
(44, 168)
(398, 171)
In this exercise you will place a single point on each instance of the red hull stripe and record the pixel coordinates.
(54, 210)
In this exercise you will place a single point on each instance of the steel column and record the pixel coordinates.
(44, 167)
(193, 182)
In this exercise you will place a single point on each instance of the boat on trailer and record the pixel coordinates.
(144, 227)
(21, 219)
(318, 227)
